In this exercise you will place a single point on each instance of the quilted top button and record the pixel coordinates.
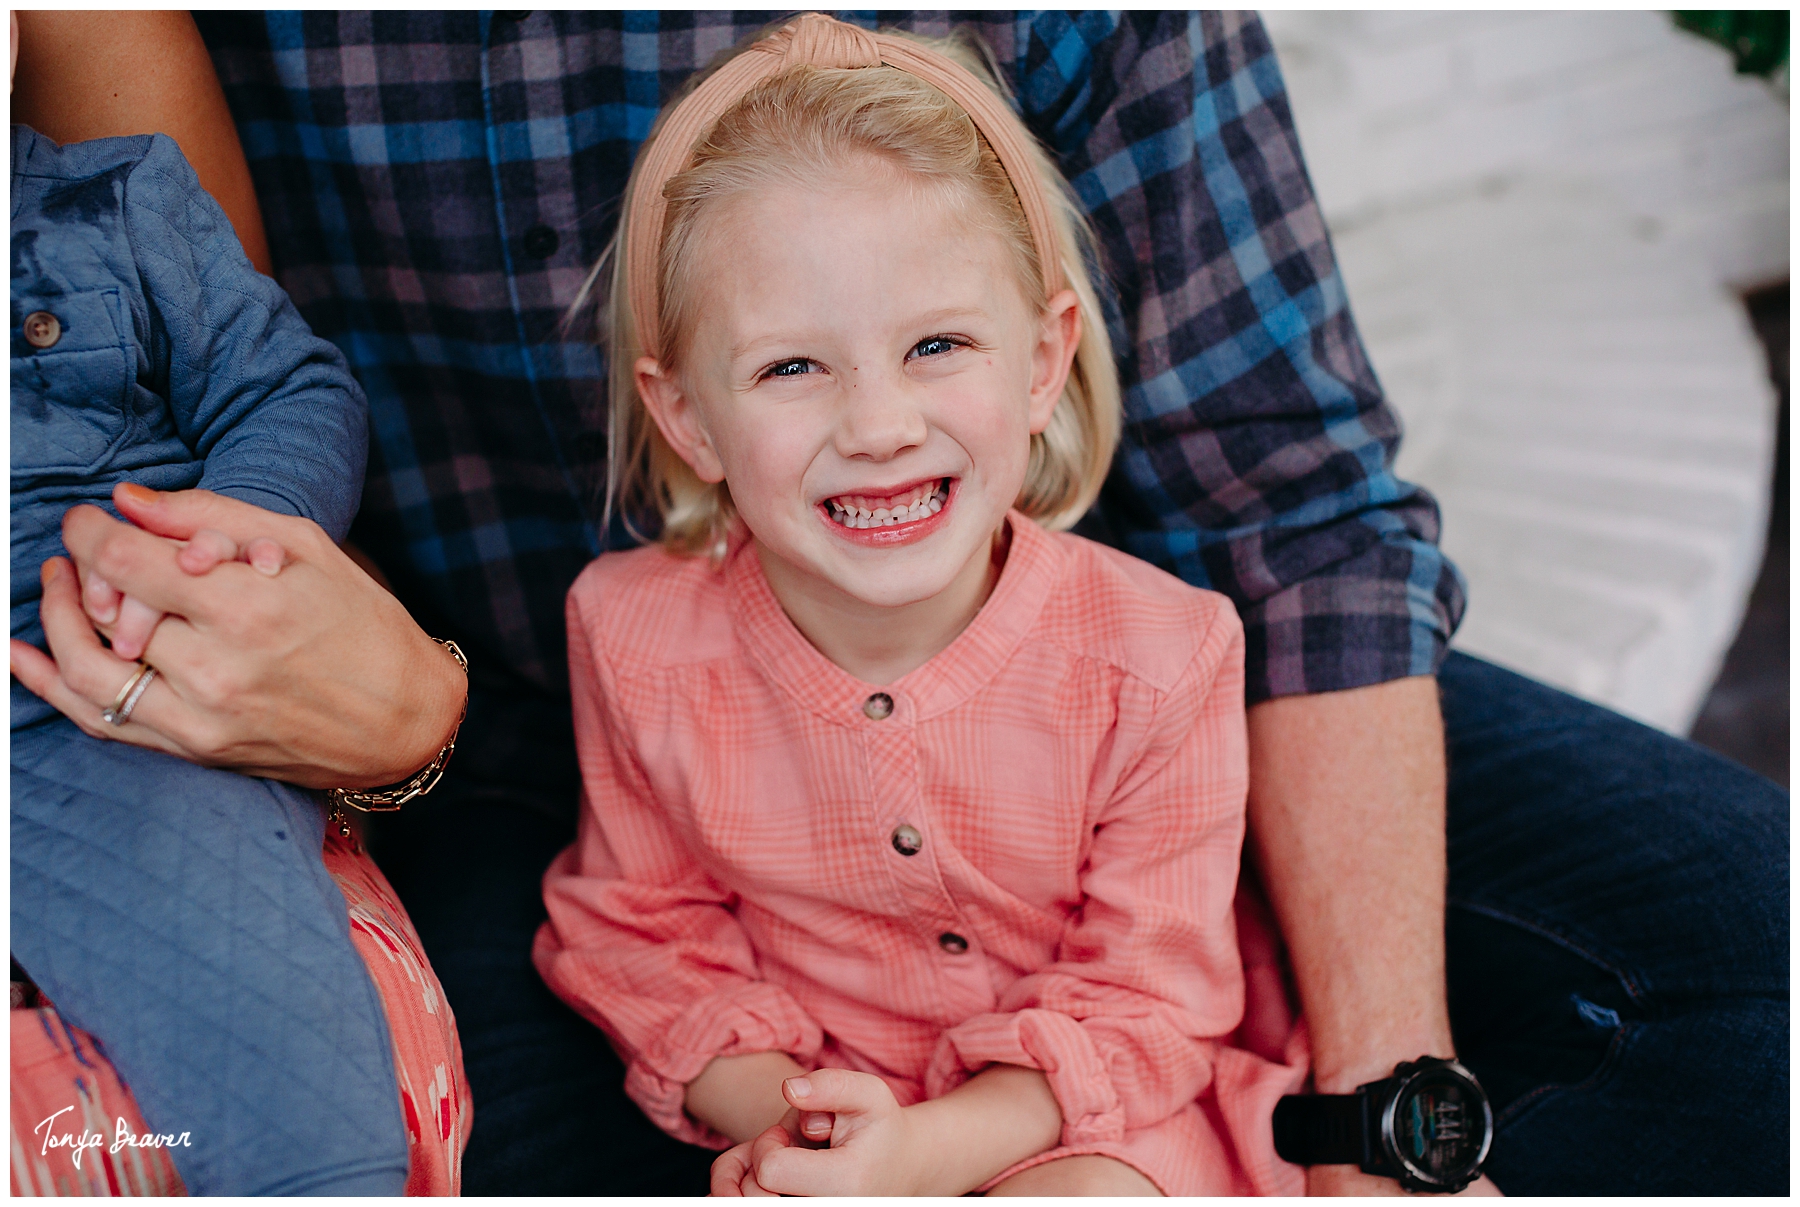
(42, 329)
(879, 707)
(954, 944)
(907, 840)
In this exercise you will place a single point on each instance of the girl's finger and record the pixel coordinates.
(728, 1169)
(265, 555)
(100, 599)
(752, 1189)
(137, 620)
(837, 1091)
(206, 549)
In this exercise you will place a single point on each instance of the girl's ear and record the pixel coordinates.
(1059, 335)
(677, 418)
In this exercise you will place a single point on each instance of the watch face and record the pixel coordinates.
(1440, 1126)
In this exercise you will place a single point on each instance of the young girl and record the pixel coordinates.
(912, 830)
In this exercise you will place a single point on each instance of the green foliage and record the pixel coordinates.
(1758, 39)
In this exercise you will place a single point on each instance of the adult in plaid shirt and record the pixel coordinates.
(436, 185)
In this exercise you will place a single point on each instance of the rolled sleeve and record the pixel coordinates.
(753, 1017)
(1051, 1042)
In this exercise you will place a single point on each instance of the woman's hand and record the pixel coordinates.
(315, 675)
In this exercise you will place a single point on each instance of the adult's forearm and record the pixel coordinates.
(1347, 835)
(86, 74)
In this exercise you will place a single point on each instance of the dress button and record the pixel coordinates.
(907, 840)
(540, 242)
(878, 707)
(954, 944)
(42, 331)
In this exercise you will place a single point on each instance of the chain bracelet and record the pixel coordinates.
(391, 797)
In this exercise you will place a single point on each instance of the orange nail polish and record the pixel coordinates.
(48, 573)
(141, 495)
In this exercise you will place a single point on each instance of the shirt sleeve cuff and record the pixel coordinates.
(757, 1017)
(1366, 623)
(1037, 1039)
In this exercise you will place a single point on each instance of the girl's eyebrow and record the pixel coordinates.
(926, 323)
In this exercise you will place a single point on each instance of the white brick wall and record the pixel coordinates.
(1542, 219)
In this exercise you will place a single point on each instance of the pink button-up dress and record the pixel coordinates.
(1029, 857)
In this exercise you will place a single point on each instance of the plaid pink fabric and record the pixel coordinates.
(1069, 779)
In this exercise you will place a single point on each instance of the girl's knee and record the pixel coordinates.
(1086, 1174)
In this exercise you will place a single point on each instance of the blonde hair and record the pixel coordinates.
(819, 119)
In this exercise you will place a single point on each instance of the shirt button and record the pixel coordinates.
(907, 840)
(954, 944)
(878, 707)
(540, 242)
(42, 331)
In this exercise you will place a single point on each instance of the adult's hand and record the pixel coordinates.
(316, 676)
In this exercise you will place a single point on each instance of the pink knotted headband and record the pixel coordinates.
(818, 41)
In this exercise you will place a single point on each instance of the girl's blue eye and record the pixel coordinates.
(937, 345)
(790, 368)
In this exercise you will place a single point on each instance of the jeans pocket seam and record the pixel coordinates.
(1634, 986)
(1594, 1081)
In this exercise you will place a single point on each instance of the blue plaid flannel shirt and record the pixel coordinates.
(436, 184)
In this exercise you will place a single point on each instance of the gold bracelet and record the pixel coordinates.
(390, 798)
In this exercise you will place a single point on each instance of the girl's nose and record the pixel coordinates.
(879, 420)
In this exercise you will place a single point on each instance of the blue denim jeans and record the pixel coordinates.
(1617, 959)
(1618, 946)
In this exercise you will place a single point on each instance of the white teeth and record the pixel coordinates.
(853, 511)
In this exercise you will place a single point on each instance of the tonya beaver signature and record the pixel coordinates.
(123, 1137)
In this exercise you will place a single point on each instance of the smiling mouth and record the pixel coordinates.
(875, 511)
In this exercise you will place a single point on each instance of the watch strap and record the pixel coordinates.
(1322, 1129)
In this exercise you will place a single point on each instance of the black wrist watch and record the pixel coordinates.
(1429, 1125)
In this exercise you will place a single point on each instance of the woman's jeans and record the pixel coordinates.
(1617, 959)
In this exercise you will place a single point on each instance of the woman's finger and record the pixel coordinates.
(32, 667)
(180, 514)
